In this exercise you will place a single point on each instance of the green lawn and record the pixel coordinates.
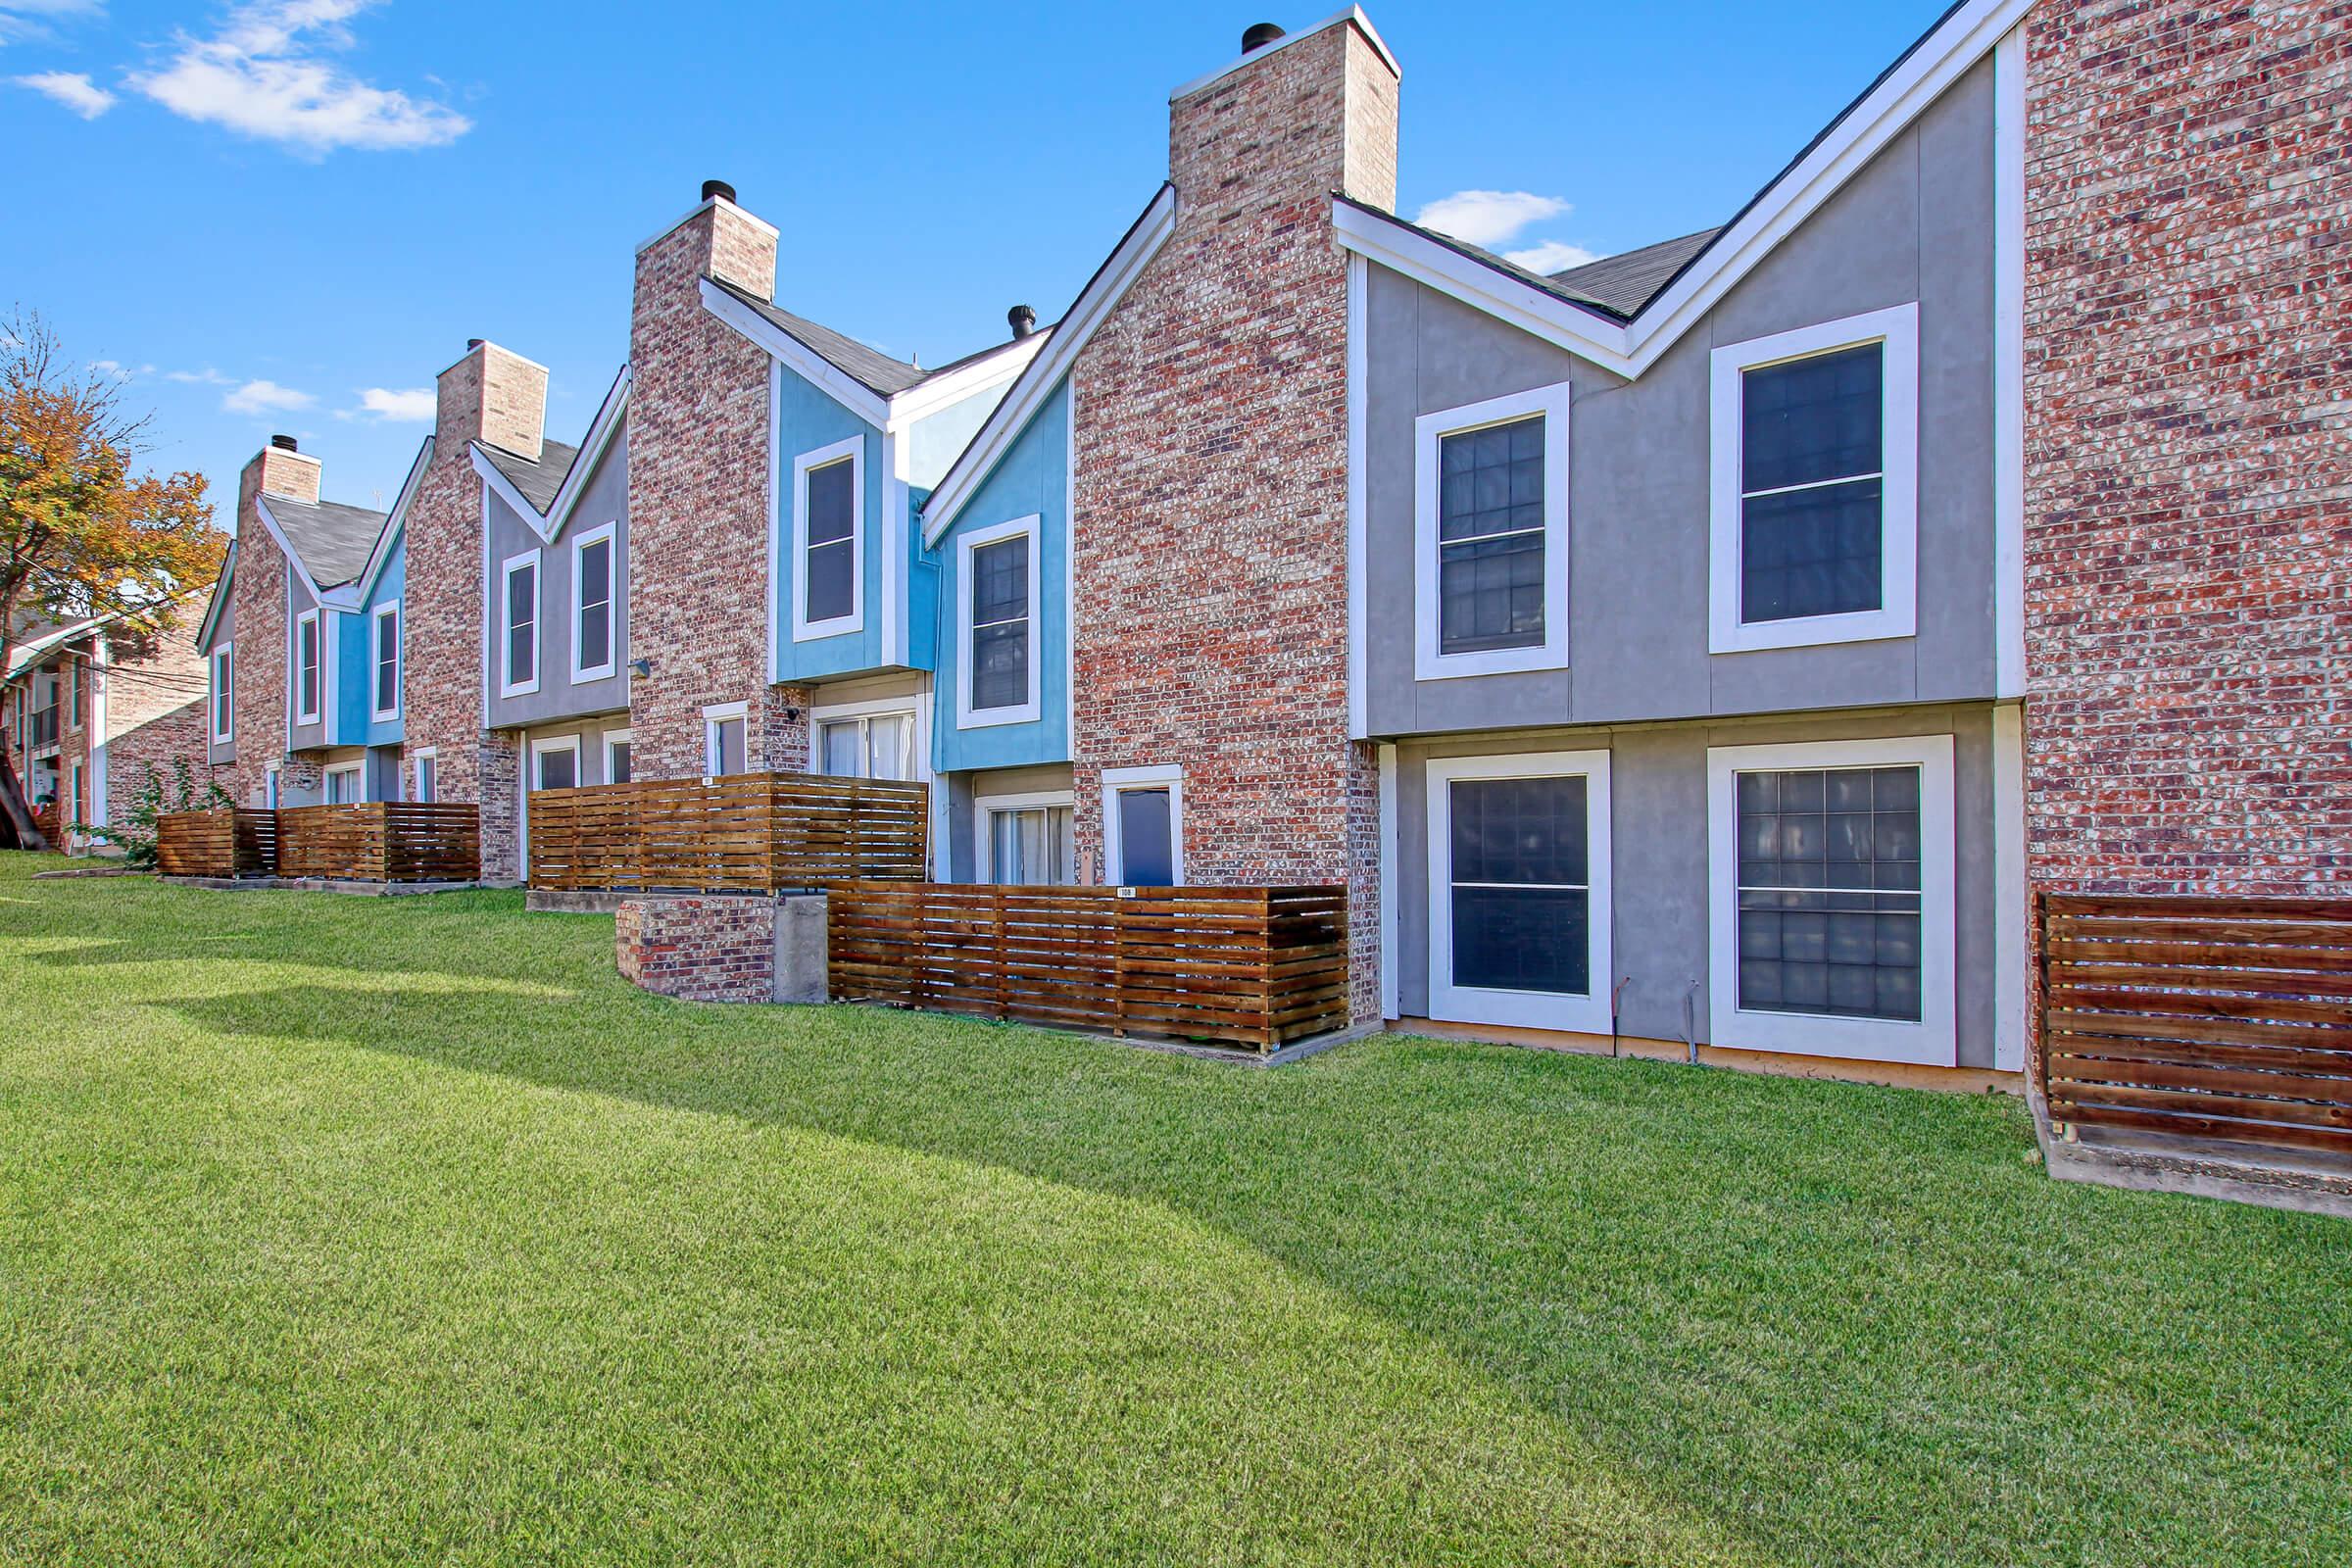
(340, 1230)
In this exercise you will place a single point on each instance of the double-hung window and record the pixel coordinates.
(519, 624)
(306, 667)
(828, 546)
(593, 629)
(1815, 487)
(1519, 890)
(1833, 873)
(223, 692)
(1490, 529)
(386, 622)
(998, 679)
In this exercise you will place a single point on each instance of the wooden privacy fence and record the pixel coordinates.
(2203, 1018)
(381, 841)
(743, 833)
(1252, 968)
(235, 841)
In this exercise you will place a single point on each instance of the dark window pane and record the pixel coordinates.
(1490, 529)
(1491, 594)
(596, 573)
(1523, 939)
(1519, 830)
(832, 504)
(1829, 906)
(1001, 581)
(831, 588)
(1810, 552)
(1813, 419)
(522, 653)
(1001, 665)
(616, 763)
(523, 596)
(558, 770)
(1146, 845)
(596, 635)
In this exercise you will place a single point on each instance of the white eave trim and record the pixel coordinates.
(1354, 14)
(945, 391)
(1036, 385)
(547, 524)
(1940, 59)
(221, 589)
(395, 520)
(802, 361)
(261, 506)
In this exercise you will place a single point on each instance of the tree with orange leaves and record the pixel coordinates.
(83, 536)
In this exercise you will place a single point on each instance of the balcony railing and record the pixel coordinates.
(740, 833)
(41, 732)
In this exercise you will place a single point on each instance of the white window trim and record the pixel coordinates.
(604, 533)
(1429, 430)
(1930, 1042)
(712, 716)
(302, 714)
(910, 708)
(375, 659)
(1531, 1009)
(224, 686)
(273, 785)
(357, 770)
(417, 761)
(984, 843)
(1023, 712)
(508, 685)
(803, 628)
(617, 737)
(549, 747)
(1117, 781)
(1898, 488)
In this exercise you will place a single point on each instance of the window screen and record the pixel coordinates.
(1812, 454)
(387, 663)
(522, 625)
(1828, 893)
(999, 592)
(831, 586)
(1491, 538)
(1147, 840)
(596, 606)
(1522, 897)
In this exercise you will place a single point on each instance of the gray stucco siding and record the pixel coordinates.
(965, 790)
(301, 737)
(225, 635)
(1914, 227)
(509, 534)
(1659, 913)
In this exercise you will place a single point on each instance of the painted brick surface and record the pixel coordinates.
(2188, 428)
(1211, 515)
(697, 949)
(698, 502)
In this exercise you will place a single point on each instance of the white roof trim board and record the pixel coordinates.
(394, 521)
(1967, 34)
(601, 431)
(1354, 14)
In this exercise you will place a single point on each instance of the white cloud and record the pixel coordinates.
(1489, 217)
(264, 397)
(208, 376)
(1550, 256)
(71, 88)
(263, 75)
(31, 19)
(117, 371)
(413, 406)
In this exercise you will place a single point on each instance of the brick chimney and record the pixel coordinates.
(1210, 625)
(493, 395)
(698, 497)
(279, 470)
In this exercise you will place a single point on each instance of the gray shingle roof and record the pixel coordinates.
(1623, 284)
(333, 539)
(870, 369)
(538, 482)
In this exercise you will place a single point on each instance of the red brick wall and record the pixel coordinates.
(2188, 428)
(698, 502)
(159, 742)
(699, 950)
(258, 598)
(1211, 517)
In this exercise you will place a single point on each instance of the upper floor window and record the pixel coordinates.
(73, 694)
(1490, 525)
(996, 600)
(387, 660)
(1815, 444)
(223, 692)
(828, 546)
(519, 624)
(306, 667)
(592, 622)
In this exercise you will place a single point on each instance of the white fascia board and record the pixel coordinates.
(261, 506)
(609, 423)
(919, 403)
(395, 520)
(222, 588)
(1354, 14)
(1939, 60)
(802, 361)
(1036, 385)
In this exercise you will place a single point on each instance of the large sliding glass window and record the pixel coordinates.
(1031, 845)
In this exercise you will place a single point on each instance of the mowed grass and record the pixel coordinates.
(349, 1230)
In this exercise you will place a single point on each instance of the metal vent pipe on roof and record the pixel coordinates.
(1023, 320)
(285, 443)
(719, 189)
(1258, 35)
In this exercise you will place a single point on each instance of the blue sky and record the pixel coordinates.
(286, 215)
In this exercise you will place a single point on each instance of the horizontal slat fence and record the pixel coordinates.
(740, 833)
(381, 841)
(1248, 967)
(223, 843)
(2201, 1017)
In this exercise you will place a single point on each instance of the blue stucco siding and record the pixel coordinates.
(1032, 477)
(808, 421)
(354, 658)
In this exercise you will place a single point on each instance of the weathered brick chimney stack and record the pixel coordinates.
(698, 495)
(1210, 537)
(258, 611)
(498, 397)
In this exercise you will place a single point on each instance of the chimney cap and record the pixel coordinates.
(1023, 320)
(1259, 34)
(285, 443)
(717, 189)
(473, 343)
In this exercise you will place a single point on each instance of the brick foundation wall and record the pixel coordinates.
(1210, 538)
(698, 502)
(697, 949)
(2189, 459)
